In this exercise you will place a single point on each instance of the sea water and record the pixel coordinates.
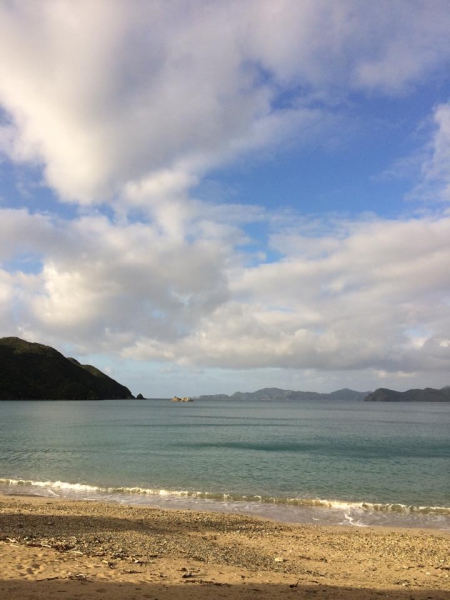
(322, 462)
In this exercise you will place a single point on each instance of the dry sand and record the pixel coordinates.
(90, 550)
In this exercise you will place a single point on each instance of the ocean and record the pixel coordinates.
(322, 462)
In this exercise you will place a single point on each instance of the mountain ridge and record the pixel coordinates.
(344, 394)
(274, 393)
(413, 395)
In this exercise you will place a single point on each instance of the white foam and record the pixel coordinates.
(348, 508)
(352, 521)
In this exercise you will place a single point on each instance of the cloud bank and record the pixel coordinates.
(377, 298)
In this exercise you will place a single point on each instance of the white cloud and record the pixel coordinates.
(105, 95)
(96, 281)
(352, 308)
(362, 303)
(6, 300)
(435, 170)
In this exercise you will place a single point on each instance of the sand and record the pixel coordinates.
(90, 550)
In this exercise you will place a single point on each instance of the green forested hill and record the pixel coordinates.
(30, 371)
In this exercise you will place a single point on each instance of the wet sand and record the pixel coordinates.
(92, 550)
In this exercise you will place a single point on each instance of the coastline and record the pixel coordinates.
(302, 511)
(106, 550)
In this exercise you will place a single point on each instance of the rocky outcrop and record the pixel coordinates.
(183, 399)
(30, 371)
(140, 397)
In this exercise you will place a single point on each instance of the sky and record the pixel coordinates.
(201, 197)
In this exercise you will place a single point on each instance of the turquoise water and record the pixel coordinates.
(324, 462)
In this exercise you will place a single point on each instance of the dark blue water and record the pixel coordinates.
(334, 462)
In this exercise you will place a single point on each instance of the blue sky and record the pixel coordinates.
(209, 197)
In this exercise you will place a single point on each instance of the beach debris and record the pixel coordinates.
(138, 561)
(279, 559)
(78, 576)
(130, 571)
(207, 582)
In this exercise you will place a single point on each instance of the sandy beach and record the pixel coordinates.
(52, 548)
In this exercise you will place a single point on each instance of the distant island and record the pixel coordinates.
(418, 395)
(379, 395)
(31, 371)
(279, 394)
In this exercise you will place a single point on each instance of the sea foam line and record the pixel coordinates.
(83, 488)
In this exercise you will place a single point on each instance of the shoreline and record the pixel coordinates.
(48, 546)
(312, 511)
(67, 501)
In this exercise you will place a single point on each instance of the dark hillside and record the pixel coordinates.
(30, 371)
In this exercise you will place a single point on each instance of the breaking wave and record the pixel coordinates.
(124, 493)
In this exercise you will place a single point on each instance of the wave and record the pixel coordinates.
(82, 489)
